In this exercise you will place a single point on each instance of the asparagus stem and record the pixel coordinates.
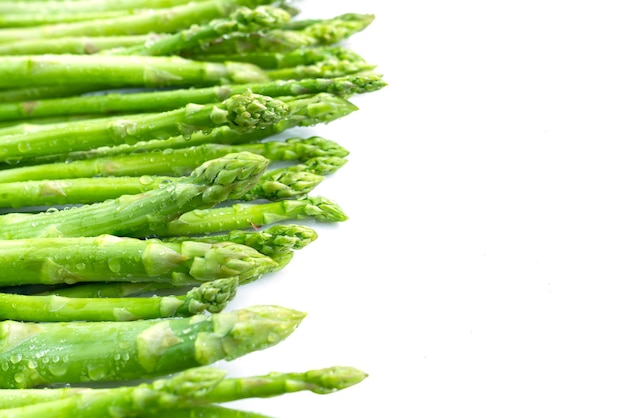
(74, 6)
(319, 381)
(251, 215)
(224, 178)
(31, 355)
(246, 111)
(164, 100)
(208, 297)
(109, 258)
(162, 20)
(113, 71)
(242, 20)
(24, 20)
(173, 162)
(80, 45)
(125, 401)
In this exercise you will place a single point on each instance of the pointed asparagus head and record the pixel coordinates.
(278, 239)
(316, 146)
(319, 108)
(248, 111)
(211, 296)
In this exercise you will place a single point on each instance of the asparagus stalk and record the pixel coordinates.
(242, 20)
(247, 111)
(113, 71)
(281, 183)
(80, 45)
(74, 6)
(292, 35)
(319, 381)
(252, 215)
(210, 297)
(162, 20)
(224, 178)
(31, 353)
(23, 20)
(172, 162)
(164, 100)
(145, 399)
(109, 258)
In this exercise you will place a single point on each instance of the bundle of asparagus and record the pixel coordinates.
(143, 180)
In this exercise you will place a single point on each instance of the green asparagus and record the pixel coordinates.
(247, 111)
(33, 6)
(211, 297)
(251, 215)
(164, 100)
(215, 181)
(319, 381)
(162, 20)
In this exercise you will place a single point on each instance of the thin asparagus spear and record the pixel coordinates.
(119, 71)
(292, 35)
(107, 258)
(319, 381)
(162, 20)
(249, 215)
(173, 162)
(281, 183)
(217, 180)
(164, 100)
(32, 6)
(211, 297)
(209, 411)
(31, 353)
(127, 401)
(242, 20)
(247, 111)
(11, 20)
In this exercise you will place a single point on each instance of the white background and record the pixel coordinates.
(481, 271)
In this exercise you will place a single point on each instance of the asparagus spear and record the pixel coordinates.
(319, 381)
(162, 20)
(292, 35)
(242, 20)
(208, 297)
(250, 215)
(281, 183)
(224, 178)
(31, 353)
(109, 258)
(74, 44)
(172, 162)
(23, 20)
(277, 241)
(113, 71)
(247, 111)
(164, 100)
(34, 6)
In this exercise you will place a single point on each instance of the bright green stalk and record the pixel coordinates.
(326, 68)
(113, 71)
(75, 6)
(80, 45)
(172, 162)
(217, 180)
(209, 411)
(319, 381)
(127, 401)
(31, 353)
(281, 183)
(210, 297)
(163, 20)
(247, 111)
(242, 20)
(23, 20)
(249, 215)
(164, 100)
(294, 34)
(107, 258)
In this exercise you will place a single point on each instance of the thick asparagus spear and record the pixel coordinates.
(162, 20)
(247, 111)
(211, 297)
(109, 258)
(320, 381)
(164, 100)
(31, 353)
(224, 178)
(249, 215)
